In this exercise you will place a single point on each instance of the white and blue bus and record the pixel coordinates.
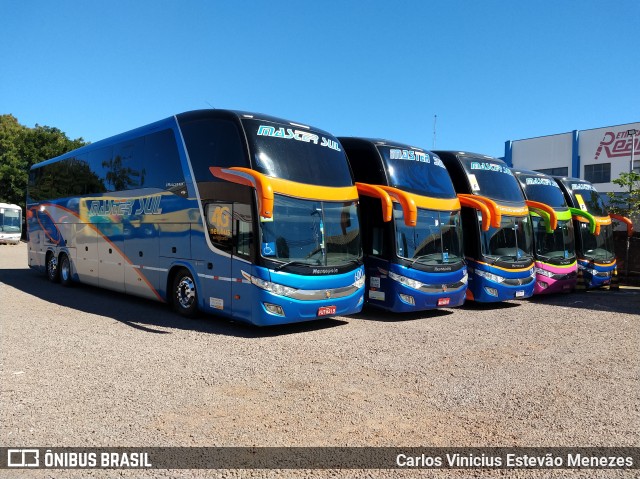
(411, 227)
(10, 223)
(244, 215)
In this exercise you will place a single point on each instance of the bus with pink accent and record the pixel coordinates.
(238, 214)
(553, 238)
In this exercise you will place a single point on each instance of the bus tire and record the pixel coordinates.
(185, 294)
(65, 270)
(53, 272)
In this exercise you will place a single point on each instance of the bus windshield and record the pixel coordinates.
(436, 240)
(556, 246)
(587, 198)
(597, 248)
(416, 171)
(542, 189)
(491, 178)
(311, 232)
(10, 220)
(510, 242)
(297, 153)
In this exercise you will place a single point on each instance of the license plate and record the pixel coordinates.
(443, 301)
(519, 294)
(326, 310)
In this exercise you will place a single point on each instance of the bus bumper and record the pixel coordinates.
(485, 291)
(274, 310)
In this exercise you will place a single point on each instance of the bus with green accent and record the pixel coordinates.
(553, 240)
(594, 233)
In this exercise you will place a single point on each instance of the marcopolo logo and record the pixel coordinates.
(23, 458)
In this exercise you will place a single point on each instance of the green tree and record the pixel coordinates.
(12, 165)
(627, 203)
(21, 147)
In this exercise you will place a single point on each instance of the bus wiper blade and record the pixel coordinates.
(505, 257)
(424, 256)
(557, 257)
(290, 263)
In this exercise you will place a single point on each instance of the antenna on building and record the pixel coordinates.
(435, 119)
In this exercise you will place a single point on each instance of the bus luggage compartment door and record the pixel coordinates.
(110, 256)
(87, 254)
(143, 269)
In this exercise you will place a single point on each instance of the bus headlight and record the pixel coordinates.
(360, 282)
(544, 272)
(465, 278)
(411, 283)
(275, 288)
(490, 276)
(408, 299)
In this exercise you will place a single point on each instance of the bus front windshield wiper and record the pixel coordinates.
(504, 257)
(560, 257)
(425, 256)
(292, 263)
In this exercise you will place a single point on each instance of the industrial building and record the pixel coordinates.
(599, 155)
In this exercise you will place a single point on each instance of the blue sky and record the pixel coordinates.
(491, 71)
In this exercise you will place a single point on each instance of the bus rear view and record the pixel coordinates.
(497, 229)
(412, 235)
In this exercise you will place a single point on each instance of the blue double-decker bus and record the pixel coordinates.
(594, 242)
(499, 252)
(244, 215)
(412, 234)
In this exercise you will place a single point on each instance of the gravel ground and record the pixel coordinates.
(86, 367)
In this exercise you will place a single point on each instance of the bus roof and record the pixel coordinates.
(170, 122)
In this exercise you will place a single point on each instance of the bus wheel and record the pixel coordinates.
(65, 270)
(52, 268)
(185, 296)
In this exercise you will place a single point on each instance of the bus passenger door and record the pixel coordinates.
(242, 251)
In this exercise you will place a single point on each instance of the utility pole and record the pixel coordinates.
(435, 119)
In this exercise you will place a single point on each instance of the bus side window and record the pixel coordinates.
(123, 170)
(213, 143)
(242, 229)
(161, 167)
(377, 234)
(99, 161)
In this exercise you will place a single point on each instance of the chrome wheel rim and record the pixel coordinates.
(65, 270)
(186, 292)
(52, 266)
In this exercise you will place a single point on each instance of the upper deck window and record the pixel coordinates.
(586, 197)
(491, 178)
(417, 171)
(542, 189)
(213, 142)
(297, 153)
